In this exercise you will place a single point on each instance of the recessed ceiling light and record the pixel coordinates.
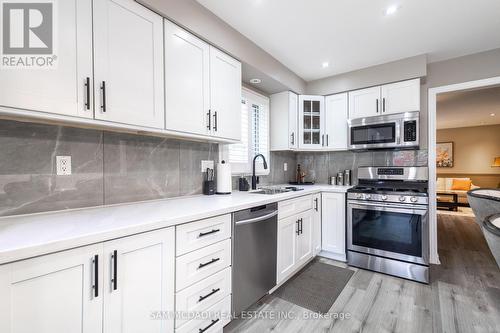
(255, 81)
(492, 114)
(325, 64)
(391, 10)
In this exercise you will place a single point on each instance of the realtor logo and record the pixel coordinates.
(28, 34)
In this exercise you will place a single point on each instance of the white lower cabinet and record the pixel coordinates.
(200, 264)
(214, 319)
(52, 293)
(333, 225)
(92, 288)
(295, 237)
(139, 279)
(203, 275)
(287, 240)
(316, 224)
(202, 295)
(304, 238)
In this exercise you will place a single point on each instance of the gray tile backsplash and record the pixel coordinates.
(109, 168)
(319, 166)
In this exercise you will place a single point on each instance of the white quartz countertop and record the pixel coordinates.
(26, 236)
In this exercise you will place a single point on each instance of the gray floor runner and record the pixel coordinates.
(316, 286)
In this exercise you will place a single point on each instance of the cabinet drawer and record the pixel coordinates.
(219, 316)
(294, 206)
(202, 295)
(202, 263)
(195, 235)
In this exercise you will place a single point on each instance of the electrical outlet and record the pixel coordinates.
(63, 165)
(206, 165)
(285, 166)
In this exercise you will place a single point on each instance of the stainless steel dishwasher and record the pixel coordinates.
(254, 254)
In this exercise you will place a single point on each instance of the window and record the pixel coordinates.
(254, 136)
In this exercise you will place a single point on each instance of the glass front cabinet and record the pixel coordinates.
(311, 122)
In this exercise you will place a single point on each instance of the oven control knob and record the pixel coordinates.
(368, 196)
(384, 197)
(413, 199)
(359, 196)
(402, 198)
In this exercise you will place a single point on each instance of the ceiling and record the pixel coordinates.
(354, 34)
(468, 108)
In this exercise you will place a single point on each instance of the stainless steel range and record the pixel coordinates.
(387, 221)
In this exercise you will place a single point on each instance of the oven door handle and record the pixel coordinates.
(406, 208)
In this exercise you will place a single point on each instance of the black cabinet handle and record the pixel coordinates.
(95, 262)
(293, 138)
(103, 88)
(114, 279)
(323, 140)
(215, 121)
(376, 103)
(208, 263)
(202, 234)
(300, 224)
(383, 104)
(327, 140)
(214, 291)
(87, 93)
(214, 321)
(209, 114)
(316, 201)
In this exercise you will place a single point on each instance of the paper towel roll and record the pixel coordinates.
(224, 184)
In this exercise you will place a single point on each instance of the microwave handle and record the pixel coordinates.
(398, 132)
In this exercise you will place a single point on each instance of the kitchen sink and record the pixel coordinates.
(276, 190)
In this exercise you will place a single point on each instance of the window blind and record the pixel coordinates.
(254, 135)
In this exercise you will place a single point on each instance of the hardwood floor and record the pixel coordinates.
(463, 296)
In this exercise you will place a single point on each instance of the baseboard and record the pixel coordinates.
(334, 256)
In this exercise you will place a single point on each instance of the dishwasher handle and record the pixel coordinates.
(257, 219)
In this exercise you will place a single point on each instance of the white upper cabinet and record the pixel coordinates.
(401, 97)
(364, 103)
(336, 113)
(138, 279)
(225, 95)
(128, 63)
(61, 90)
(391, 98)
(284, 110)
(53, 293)
(311, 119)
(187, 81)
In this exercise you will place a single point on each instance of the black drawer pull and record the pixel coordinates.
(87, 93)
(208, 263)
(214, 291)
(114, 279)
(208, 233)
(214, 321)
(95, 261)
(103, 88)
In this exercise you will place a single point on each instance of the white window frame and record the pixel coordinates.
(245, 169)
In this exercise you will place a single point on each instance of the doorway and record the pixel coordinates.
(432, 139)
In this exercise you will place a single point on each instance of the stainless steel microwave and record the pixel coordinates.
(400, 130)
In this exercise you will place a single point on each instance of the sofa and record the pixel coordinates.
(445, 185)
